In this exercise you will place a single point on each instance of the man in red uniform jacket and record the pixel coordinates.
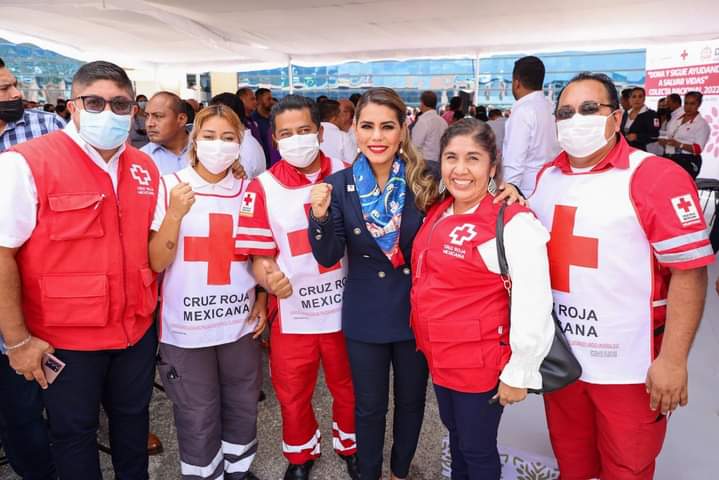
(75, 275)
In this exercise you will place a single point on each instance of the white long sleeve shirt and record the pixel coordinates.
(336, 143)
(531, 330)
(426, 134)
(530, 140)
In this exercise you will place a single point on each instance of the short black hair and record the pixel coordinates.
(607, 82)
(495, 112)
(233, 101)
(354, 98)
(698, 95)
(189, 111)
(626, 93)
(641, 89)
(243, 91)
(140, 96)
(676, 98)
(428, 99)
(530, 72)
(295, 102)
(322, 98)
(175, 101)
(101, 70)
(329, 109)
(455, 103)
(262, 91)
(2, 63)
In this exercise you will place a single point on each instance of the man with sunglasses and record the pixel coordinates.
(628, 255)
(75, 275)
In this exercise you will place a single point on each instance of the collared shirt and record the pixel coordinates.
(32, 124)
(166, 160)
(530, 140)
(498, 125)
(694, 132)
(675, 116)
(252, 157)
(628, 123)
(336, 143)
(198, 184)
(17, 188)
(656, 187)
(427, 132)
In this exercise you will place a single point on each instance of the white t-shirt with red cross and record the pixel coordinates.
(273, 222)
(616, 231)
(208, 291)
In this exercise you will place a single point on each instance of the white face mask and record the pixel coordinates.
(582, 135)
(299, 150)
(217, 155)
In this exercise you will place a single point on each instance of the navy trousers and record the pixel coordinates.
(472, 423)
(119, 380)
(370, 364)
(22, 426)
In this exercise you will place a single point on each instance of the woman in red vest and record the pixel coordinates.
(480, 359)
(209, 356)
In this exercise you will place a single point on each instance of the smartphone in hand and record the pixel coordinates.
(51, 366)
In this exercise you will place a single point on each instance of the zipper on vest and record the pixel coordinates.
(420, 261)
(124, 273)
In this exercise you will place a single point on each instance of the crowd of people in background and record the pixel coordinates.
(365, 237)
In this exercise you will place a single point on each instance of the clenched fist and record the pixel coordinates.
(181, 199)
(277, 283)
(320, 197)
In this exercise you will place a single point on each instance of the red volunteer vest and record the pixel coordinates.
(86, 280)
(460, 309)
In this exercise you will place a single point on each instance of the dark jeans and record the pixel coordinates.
(472, 423)
(120, 380)
(370, 363)
(22, 426)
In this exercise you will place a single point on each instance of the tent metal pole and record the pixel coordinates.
(476, 79)
(289, 76)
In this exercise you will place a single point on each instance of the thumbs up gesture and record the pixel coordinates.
(276, 281)
(320, 197)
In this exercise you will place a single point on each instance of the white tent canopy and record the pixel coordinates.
(202, 35)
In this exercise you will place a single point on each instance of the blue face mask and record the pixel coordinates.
(105, 130)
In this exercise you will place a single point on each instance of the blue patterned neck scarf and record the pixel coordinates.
(382, 210)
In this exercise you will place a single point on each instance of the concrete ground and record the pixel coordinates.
(269, 463)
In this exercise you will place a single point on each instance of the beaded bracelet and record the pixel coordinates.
(9, 348)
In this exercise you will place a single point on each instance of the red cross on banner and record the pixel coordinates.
(218, 250)
(566, 249)
(300, 245)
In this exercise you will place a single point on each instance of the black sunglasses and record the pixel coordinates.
(96, 104)
(588, 107)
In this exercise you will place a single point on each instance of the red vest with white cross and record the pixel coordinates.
(316, 302)
(460, 309)
(601, 267)
(208, 291)
(86, 280)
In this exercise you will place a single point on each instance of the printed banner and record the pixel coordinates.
(683, 67)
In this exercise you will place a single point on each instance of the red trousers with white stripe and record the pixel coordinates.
(604, 431)
(294, 364)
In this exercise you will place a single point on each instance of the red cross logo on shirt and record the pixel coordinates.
(248, 200)
(566, 249)
(684, 205)
(300, 245)
(218, 250)
(140, 175)
(462, 234)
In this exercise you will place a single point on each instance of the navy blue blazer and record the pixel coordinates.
(375, 308)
